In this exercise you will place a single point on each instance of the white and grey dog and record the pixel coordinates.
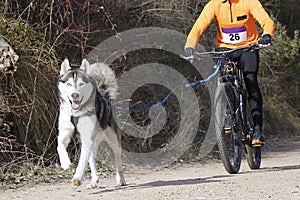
(84, 109)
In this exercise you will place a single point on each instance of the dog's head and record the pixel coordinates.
(75, 86)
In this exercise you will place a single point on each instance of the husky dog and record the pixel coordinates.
(84, 109)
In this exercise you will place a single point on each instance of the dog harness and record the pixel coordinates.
(235, 20)
(74, 120)
(103, 110)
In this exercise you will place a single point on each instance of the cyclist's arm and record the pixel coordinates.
(259, 13)
(201, 24)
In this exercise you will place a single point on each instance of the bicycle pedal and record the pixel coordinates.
(260, 144)
(227, 131)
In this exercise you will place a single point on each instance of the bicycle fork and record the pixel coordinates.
(240, 111)
(243, 96)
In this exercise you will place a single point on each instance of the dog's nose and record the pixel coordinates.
(75, 95)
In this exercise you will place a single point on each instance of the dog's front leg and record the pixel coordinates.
(66, 129)
(87, 131)
(84, 156)
(92, 160)
(63, 140)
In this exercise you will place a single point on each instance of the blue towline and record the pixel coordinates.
(172, 91)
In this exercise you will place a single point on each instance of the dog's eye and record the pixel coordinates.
(69, 84)
(81, 84)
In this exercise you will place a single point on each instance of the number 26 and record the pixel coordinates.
(234, 37)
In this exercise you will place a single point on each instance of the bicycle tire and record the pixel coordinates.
(230, 145)
(253, 154)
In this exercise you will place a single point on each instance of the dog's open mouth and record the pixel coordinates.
(75, 104)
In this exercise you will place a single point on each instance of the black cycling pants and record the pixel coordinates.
(249, 61)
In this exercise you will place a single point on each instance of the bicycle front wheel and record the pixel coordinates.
(228, 139)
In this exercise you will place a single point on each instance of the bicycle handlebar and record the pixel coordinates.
(255, 46)
(199, 55)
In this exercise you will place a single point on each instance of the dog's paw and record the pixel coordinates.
(120, 179)
(94, 182)
(76, 182)
(92, 186)
(121, 184)
(66, 166)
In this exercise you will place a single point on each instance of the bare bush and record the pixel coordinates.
(28, 95)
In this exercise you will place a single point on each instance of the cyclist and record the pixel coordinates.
(236, 28)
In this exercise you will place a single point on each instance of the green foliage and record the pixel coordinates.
(285, 49)
(280, 81)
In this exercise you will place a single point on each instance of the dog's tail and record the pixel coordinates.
(106, 80)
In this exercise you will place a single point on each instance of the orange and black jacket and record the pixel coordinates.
(236, 23)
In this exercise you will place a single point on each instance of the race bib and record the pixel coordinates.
(234, 35)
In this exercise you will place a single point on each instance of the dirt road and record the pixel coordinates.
(278, 178)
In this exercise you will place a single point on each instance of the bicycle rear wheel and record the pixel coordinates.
(230, 145)
(253, 153)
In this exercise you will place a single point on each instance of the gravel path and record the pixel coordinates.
(278, 178)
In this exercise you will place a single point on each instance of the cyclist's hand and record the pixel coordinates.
(265, 40)
(189, 52)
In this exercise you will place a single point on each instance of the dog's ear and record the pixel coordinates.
(85, 65)
(65, 66)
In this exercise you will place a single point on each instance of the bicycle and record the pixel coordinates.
(231, 108)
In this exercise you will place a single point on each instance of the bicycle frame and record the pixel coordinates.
(237, 82)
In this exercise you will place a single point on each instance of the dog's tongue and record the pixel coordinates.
(75, 104)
